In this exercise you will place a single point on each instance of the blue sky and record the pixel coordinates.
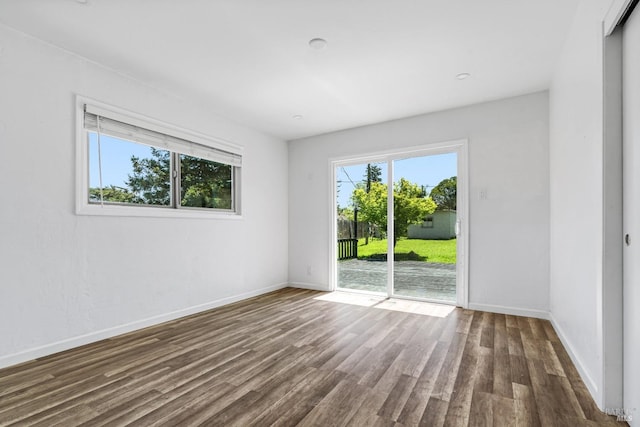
(427, 171)
(116, 159)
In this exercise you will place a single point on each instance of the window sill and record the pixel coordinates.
(154, 212)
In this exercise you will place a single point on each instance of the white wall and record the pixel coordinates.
(509, 231)
(68, 279)
(576, 168)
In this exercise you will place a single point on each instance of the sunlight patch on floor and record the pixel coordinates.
(363, 300)
(393, 304)
(416, 307)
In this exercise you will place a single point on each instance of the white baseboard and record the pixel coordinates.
(514, 311)
(584, 374)
(47, 349)
(311, 286)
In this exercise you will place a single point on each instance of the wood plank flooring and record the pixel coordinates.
(291, 358)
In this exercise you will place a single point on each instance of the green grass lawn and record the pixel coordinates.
(441, 251)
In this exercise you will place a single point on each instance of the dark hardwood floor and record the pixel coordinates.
(290, 358)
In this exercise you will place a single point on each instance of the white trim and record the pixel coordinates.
(66, 344)
(153, 212)
(333, 229)
(310, 286)
(391, 231)
(82, 155)
(514, 311)
(616, 12)
(580, 366)
(83, 207)
(610, 294)
(462, 268)
(432, 148)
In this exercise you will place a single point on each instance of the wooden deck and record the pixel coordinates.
(297, 357)
(413, 279)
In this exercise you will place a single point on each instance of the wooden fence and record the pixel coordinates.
(347, 229)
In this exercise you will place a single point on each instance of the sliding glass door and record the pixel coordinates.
(398, 225)
(361, 217)
(425, 217)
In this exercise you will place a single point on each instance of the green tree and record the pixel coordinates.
(445, 194)
(204, 183)
(346, 213)
(372, 205)
(111, 194)
(410, 205)
(150, 179)
(373, 173)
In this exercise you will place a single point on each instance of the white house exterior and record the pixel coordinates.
(440, 225)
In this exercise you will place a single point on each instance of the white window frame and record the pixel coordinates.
(83, 207)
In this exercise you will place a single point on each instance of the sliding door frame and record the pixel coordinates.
(460, 147)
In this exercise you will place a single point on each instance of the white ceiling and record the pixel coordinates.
(249, 60)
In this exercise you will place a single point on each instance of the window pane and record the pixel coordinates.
(205, 184)
(131, 173)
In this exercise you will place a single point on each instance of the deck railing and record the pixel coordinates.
(347, 248)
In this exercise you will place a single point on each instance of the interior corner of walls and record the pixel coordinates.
(586, 377)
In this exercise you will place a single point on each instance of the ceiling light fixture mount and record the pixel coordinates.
(297, 117)
(318, 43)
(463, 76)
